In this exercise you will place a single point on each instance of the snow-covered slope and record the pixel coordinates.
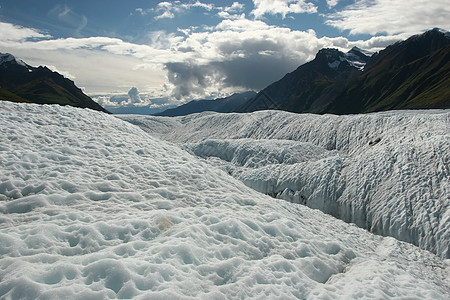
(356, 57)
(92, 207)
(386, 172)
(9, 58)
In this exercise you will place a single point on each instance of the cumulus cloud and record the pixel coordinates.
(232, 12)
(282, 7)
(106, 101)
(133, 95)
(132, 99)
(227, 15)
(242, 54)
(378, 43)
(391, 17)
(189, 79)
(236, 7)
(119, 103)
(237, 54)
(234, 55)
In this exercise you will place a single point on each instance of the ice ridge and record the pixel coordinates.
(385, 172)
(92, 207)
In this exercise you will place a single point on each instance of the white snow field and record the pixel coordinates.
(93, 207)
(386, 172)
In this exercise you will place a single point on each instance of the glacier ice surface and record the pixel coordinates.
(386, 172)
(92, 207)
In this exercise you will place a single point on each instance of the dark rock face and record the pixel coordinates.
(311, 86)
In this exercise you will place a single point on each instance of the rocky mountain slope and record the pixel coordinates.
(218, 105)
(311, 86)
(413, 74)
(20, 82)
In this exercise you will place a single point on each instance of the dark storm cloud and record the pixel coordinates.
(189, 79)
(251, 65)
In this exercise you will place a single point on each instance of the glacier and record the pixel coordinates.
(94, 207)
(386, 172)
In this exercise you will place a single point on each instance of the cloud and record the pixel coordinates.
(106, 101)
(237, 54)
(168, 10)
(64, 73)
(14, 33)
(141, 11)
(69, 17)
(227, 15)
(232, 12)
(189, 79)
(132, 99)
(133, 95)
(378, 43)
(242, 54)
(234, 55)
(332, 3)
(119, 103)
(391, 17)
(206, 6)
(236, 7)
(282, 7)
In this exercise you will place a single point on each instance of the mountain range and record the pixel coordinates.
(311, 86)
(218, 105)
(20, 82)
(411, 74)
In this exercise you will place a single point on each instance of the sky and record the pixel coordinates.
(158, 54)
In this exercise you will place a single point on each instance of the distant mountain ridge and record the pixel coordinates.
(412, 74)
(20, 82)
(311, 85)
(218, 105)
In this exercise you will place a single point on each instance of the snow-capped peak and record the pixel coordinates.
(333, 57)
(6, 57)
(355, 57)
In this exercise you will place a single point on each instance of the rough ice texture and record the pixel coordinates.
(386, 172)
(93, 207)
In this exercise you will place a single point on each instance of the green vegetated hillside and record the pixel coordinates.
(8, 96)
(412, 74)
